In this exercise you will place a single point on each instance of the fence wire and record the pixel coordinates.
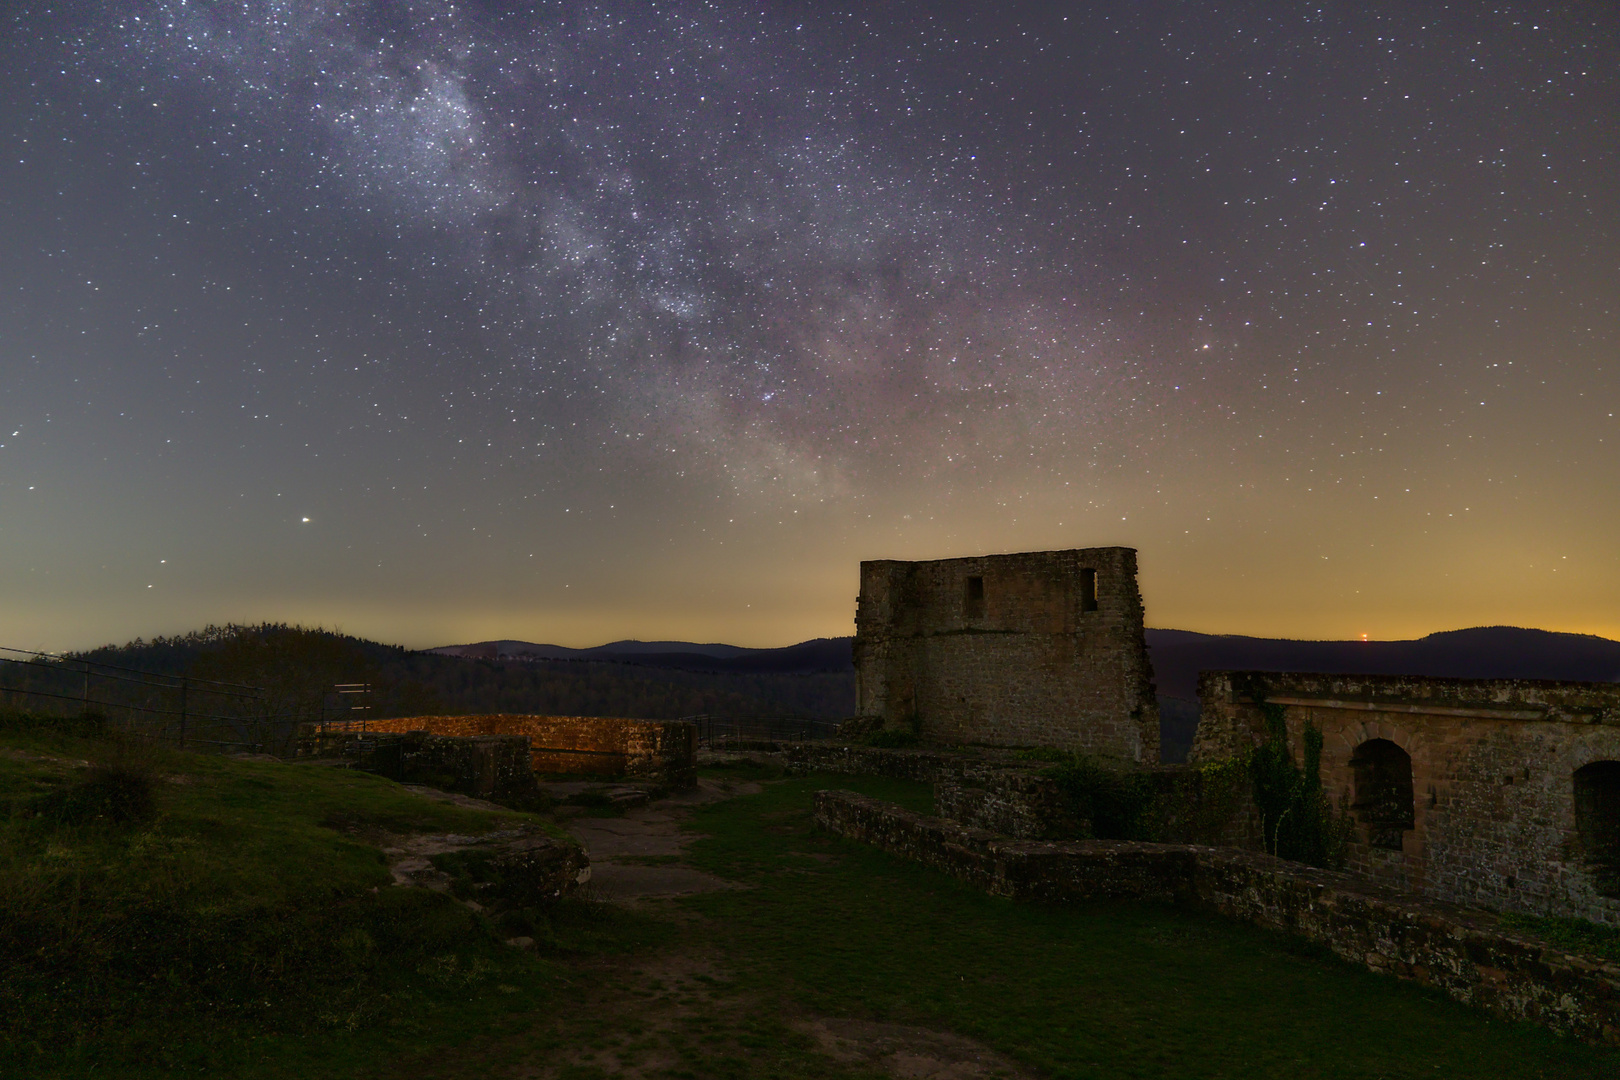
(175, 708)
(723, 732)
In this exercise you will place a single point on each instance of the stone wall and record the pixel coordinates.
(996, 789)
(1038, 649)
(979, 787)
(1463, 789)
(1179, 805)
(660, 750)
(927, 765)
(1021, 805)
(488, 766)
(1466, 954)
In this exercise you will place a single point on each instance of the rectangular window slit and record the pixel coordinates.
(1088, 590)
(973, 598)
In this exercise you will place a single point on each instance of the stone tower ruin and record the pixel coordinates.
(1042, 649)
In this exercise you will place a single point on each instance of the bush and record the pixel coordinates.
(1576, 935)
(120, 793)
(890, 739)
(1114, 803)
(85, 725)
(1223, 800)
(1298, 821)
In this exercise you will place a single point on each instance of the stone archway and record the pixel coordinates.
(1597, 822)
(1382, 798)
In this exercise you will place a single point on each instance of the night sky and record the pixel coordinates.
(569, 322)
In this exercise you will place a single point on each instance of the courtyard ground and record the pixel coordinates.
(722, 936)
(790, 952)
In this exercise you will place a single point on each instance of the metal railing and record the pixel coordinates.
(721, 732)
(181, 708)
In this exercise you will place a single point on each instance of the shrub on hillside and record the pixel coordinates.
(119, 793)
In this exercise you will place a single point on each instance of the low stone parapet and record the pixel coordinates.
(488, 766)
(999, 790)
(1466, 953)
(1020, 805)
(1180, 805)
(927, 765)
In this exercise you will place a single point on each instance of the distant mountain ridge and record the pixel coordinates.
(528, 650)
(1483, 652)
(815, 656)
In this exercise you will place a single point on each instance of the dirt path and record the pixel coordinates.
(637, 857)
(910, 1053)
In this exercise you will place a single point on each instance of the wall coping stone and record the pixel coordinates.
(1418, 708)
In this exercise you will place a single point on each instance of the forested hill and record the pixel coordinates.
(299, 666)
(830, 655)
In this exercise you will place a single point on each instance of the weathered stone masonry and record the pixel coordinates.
(660, 750)
(996, 790)
(1495, 792)
(1462, 953)
(488, 766)
(1037, 649)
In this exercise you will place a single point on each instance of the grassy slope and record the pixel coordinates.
(244, 910)
(294, 664)
(1104, 990)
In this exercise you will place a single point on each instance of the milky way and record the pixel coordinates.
(705, 209)
(567, 319)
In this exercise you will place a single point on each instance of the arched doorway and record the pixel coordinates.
(1597, 822)
(1383, 793)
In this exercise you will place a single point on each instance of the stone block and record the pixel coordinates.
(486, 766)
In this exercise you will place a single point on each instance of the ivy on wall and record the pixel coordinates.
(1297, 819)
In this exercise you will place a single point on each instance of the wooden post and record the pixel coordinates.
(185, 687)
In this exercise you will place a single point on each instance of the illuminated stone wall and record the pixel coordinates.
(661, 750)
(1493, 792)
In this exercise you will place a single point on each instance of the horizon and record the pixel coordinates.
(805, 641)
(423, 643)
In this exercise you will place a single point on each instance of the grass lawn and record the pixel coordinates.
(244, 926)
(1102, 990)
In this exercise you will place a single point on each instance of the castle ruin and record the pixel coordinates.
(1042, 649)
(1502, 793)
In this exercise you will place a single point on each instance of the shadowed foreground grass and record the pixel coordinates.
(163, 911)
(234, 918)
